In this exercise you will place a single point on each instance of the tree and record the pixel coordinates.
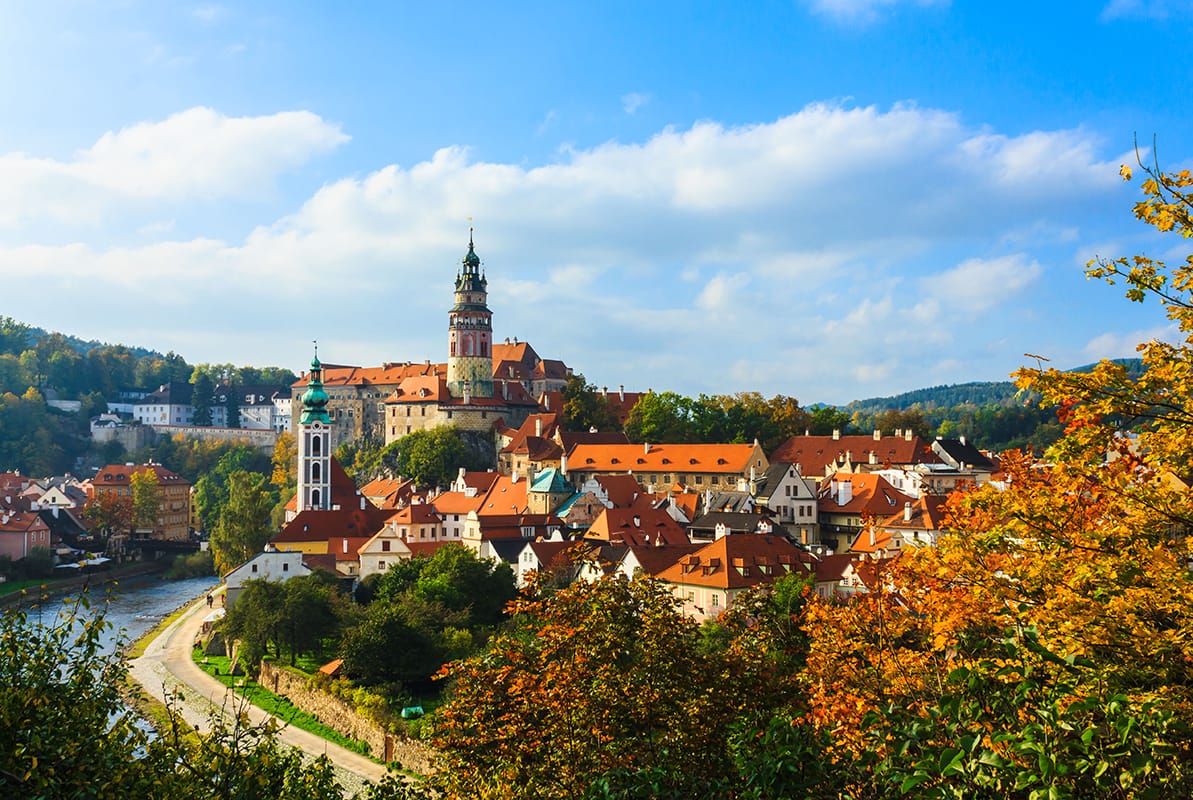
(243, 527)
(1043, 653)
(108, 513)
(147, 498)
(602, 690)
(432, 457)
(202, 396)
(284, 476)
(662, 417)
(232, 395)
(585, 408)
(67, 732)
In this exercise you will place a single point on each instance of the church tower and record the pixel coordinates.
(314, 445)
(470, 332)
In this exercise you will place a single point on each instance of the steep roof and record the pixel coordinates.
(505, 496)
(645, 526)
(621, 490)
(552, 481)
(869, 495)
(654, 559)
(927, 513)
(388, 492)
(739, 561)
(813, 453)
(959, 451)
(736, 522)
(457, 502)
(343, 489)
(569, 439)
(706, 458)
(772, 479)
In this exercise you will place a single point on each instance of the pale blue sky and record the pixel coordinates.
(831, 199)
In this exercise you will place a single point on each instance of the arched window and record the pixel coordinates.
(314, 498)
(316, 445)
(316, 472)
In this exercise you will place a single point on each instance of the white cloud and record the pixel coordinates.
(1145, 9)
(862, 11)
(633, 101)
(1126, 344)
(198, 154)
(824, 254)
(979, 284)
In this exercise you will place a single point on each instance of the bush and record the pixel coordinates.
(195, 565)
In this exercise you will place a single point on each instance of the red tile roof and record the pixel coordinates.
(636, 527)
(869, 495)
(666, 458)
(739, 561)
(319, 526)
(813, 453)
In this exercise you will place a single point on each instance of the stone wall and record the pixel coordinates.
(339, 715)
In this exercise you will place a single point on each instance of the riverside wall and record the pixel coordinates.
(341, 716)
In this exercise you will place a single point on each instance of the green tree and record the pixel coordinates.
(147, 498)
(201, 398)
(585, 408)
(108, 513)
(243, 527)
(232, 396)
(664, 417)
(432, 457)
(14, 336)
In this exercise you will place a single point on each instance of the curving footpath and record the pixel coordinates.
(166, 668)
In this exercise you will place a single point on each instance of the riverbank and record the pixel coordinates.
(132, 571)
(167, 673)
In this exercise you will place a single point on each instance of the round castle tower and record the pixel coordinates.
(470, 332)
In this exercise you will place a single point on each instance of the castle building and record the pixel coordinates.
(481, 382)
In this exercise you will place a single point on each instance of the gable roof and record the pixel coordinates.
(654, 559)
(773, 478)
(869, 495)
(739, 561)
(121, 475)
(505, 496)
(620, 490)
(665, 458)
(927, 513)
(343, 489)
(813, 453)
(959, 451)
(322, 526)
(646, 526)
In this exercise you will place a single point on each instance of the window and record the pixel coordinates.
(381, 565)
(716, 600)
(699, 479)
(285, 567)
(385, 546)
(254, 568)
(716, 479)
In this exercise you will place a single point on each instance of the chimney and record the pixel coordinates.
(873, 457)
(849, 456)
(907, 512)
(637, 521)
(907, 434)
(563, 464)
(362, 503)
(834, 489)
(621, 392)
(845, 493)
(514, 476)
(877, 435)
(962, 441)
(604, 391)
(836, 434)
(646, 448)
(538, 426)
(753, 475)
(345, 545)
(873, 538)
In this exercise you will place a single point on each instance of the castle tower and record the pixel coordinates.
(470, 332)
(314, 445)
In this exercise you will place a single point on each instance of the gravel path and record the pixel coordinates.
(166, 667)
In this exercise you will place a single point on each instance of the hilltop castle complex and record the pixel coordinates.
(481, 382)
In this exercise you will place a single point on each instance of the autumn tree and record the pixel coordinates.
(284, 475)
(108, 513)
(1045, 651)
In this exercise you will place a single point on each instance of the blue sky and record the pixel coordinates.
(830, 199)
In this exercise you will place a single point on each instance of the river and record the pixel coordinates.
(132, 607)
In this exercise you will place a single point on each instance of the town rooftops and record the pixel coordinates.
(739, 561)
(812, 454)
(121, 475)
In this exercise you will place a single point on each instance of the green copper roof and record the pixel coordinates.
(314, 399)
(550, 480)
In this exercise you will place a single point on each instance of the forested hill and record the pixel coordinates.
(977, 393)
(16, 337)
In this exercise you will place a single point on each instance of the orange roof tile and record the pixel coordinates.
(739, 561)
(667, 458)
(636, 527)
(869, 495)
(813, 453)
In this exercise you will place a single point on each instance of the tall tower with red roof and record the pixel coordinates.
(314, 444)
(470, 332)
